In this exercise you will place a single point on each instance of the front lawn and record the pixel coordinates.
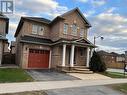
(14, 75)
(114, 74)
(120, 87)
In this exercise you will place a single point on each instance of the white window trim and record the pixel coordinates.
(82, 32)
(40, 30)
(37, 30)
(65, 26)
(34, 31)
(74, 32)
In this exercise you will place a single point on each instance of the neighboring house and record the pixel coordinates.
(6, 47)
(4, 23)
(12, 47)
(41, 43)
(113, 60)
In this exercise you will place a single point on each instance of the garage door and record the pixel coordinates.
(38, 58)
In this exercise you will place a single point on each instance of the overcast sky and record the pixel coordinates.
(107, 17)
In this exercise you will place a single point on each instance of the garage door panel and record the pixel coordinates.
(38, 59)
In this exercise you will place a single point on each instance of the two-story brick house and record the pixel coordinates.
(41, 43)
(4, 23)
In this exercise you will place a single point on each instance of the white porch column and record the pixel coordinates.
(88, 57)
(72, 56)
(64, 55)
(91, 52)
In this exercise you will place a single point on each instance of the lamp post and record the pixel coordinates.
(95, 37)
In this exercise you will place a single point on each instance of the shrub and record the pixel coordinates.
(96, 63)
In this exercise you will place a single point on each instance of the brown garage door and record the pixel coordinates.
(38, 58)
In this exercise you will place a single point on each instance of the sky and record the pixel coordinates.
(107, 17)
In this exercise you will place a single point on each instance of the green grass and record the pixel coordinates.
(14, 75)
(120, 87)
(114, 74)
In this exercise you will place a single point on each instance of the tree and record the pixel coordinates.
(96, 63)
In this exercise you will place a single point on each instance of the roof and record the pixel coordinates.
(45, 41)
(38, 19)
(7, 21)
(101, 52)
(83, 42)
(49, 22)
(35, 40)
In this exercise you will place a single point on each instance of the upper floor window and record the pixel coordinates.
(82, 32)
(65, 28)
(40, 30)
(36, 29)
(74, 29)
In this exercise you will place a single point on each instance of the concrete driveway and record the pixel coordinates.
(91, 90)
(50, 75)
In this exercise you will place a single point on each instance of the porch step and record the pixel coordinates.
(75, 71)
(81, 69)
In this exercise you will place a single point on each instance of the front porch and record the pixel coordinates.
(71, 54)
(75, 55)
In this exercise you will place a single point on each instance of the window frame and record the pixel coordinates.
(65, 28)
(36, 29)
(74, 29)
(40, 31)
(82, 32)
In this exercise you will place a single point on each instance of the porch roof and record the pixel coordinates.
(45, 41)
(80, 42)
(35, 40)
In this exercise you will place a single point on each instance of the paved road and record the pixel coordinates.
(91, 90)
(48, 85)
(50, 75)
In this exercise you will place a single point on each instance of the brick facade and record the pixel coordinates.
(54, 32)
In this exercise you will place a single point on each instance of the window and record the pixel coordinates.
(40, 30)
(74, 29)
(82, 32)
(34, 29)
(81, 51)
(65, 28)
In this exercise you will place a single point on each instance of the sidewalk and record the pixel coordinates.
(32, 86)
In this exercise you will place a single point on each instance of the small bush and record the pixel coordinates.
(96, 64)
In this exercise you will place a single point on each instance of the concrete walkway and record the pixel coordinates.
(94, 76)
(35, 86)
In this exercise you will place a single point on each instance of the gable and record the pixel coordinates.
(76, 13)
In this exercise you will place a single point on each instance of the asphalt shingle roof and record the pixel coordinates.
(30, 39)
(38, 19)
